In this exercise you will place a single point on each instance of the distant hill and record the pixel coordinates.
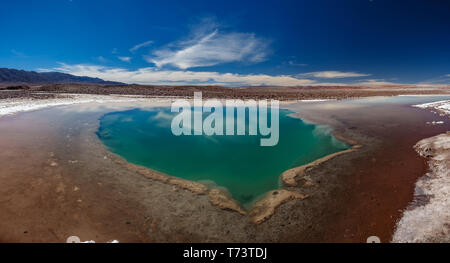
(22, 76)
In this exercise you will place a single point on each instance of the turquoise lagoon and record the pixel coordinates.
(237, 163)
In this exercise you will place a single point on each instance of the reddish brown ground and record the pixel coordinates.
(280, 93)
(379, 191)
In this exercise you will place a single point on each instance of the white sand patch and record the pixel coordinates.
(442, 106)
(12, 106)
(430, 222)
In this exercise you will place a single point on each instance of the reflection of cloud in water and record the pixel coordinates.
(127, 119)
(162, 115)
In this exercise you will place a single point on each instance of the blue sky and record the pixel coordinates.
(231, 42)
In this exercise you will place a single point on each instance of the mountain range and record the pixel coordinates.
(31, 77)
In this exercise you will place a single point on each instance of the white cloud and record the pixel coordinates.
(101, 59)
(18, 53)
(208, 46)
(125, 59)
(332, 74)
(293, 63)
(141, 45)
(179, 77)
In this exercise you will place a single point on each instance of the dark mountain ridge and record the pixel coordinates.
(21, 76)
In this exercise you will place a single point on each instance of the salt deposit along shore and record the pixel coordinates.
(15, 105)
(427, 218)
(442, 107)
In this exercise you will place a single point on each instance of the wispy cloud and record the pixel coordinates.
(18, 53)
(293, 63)
(207, 45)
(333, 74)
(141, 45)
(180, 77)
(125, 59)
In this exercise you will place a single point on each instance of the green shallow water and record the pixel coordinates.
(237, 163)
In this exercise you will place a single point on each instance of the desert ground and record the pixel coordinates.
(14, 90)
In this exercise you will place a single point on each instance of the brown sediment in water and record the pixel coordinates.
(289, 177)
(89, 194)
(379, 184)
(217, 197)
(194, 187)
